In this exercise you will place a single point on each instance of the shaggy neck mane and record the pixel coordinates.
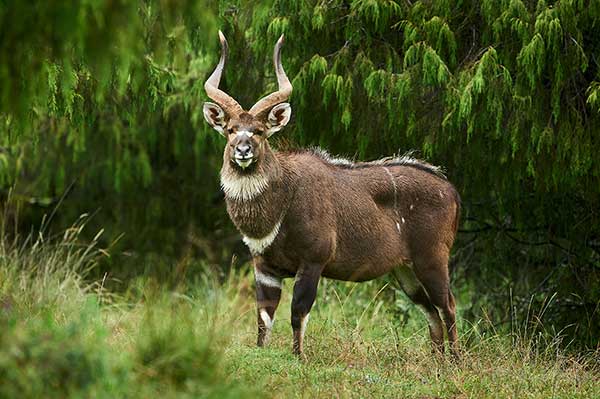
(405, 160)
(247, 185)
(243, 187)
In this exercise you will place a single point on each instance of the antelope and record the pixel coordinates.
(306, 214)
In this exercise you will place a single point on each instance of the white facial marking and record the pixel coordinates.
(303, 324)
(266, 280)
(258, 245)
(243, 188)
(244, 133)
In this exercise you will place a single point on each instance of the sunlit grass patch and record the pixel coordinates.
(64, 336)
(355, 347)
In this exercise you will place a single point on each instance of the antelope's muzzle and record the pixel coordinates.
(243, 154)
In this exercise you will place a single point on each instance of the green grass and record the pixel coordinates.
(63, 336)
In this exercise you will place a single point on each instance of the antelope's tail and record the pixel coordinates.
(458, 209)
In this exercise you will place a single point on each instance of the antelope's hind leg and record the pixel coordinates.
(433, 274)
(268, 294)
(414, 290)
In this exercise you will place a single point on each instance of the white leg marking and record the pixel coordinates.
(303, 324)
(266, 280)
(268, 322)
(264, 315)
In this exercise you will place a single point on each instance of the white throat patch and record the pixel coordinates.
(258, 245)
(243, 188)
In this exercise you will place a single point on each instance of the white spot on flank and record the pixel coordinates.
(412, 207)
(403, 221)
(441, 194)
(303, 324)
(258, 245)
(244, 133)
(266, 280)
(243, 188)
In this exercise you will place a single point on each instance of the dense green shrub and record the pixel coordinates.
(41, 357)
(64, 336)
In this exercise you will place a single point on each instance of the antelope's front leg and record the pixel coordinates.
(268, 293)
(305, 292)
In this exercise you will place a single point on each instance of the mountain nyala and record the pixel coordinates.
(307, 215)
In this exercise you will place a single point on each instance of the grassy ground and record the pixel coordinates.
(62, 336)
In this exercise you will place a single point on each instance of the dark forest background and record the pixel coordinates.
(101, 115)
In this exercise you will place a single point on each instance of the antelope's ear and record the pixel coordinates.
(215, 116)
(278, 118)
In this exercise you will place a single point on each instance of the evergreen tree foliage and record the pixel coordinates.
(100, 103)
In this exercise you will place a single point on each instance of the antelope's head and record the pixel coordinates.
(247, 131)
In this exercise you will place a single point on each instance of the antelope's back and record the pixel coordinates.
(378, 215)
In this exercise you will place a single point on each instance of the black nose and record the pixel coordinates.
(243, 149)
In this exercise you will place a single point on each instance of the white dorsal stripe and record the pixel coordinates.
(266, 280)
(406, 159)
(258, 245)
(243, 188)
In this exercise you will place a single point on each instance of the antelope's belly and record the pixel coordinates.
(357, 272)
(360, 261)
